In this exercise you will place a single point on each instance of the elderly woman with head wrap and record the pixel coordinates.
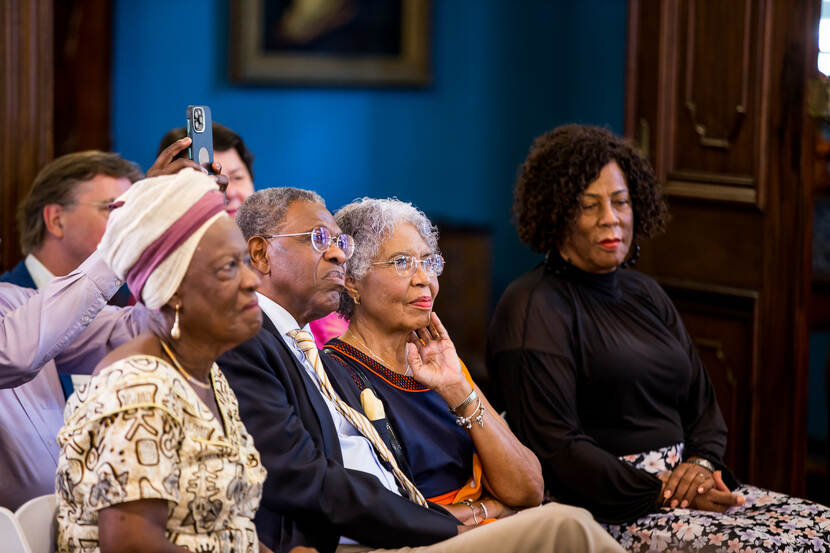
(154, 457)
(459, 450)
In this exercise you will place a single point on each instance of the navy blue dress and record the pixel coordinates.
(438, 451)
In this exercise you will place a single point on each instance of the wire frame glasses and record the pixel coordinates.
(322, 239)
(406, 265)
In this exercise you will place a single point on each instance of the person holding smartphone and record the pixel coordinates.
(230, 152)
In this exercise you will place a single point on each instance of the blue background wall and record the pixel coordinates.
(503, 73)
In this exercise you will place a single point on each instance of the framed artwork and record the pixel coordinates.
(330, 42)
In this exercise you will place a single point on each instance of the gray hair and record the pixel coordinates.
(371, 222)
(264, 210)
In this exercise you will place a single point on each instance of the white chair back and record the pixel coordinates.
(11, 534)
(37, 521)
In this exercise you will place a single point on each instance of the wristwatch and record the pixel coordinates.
(701, 462)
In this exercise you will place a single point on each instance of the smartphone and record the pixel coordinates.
(200, 131)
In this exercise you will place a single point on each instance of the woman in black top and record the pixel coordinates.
(600, 378)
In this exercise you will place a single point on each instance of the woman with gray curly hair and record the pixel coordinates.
(459, 450)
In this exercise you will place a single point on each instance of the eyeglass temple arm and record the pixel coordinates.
(290, 234)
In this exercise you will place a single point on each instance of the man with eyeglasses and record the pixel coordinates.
(48, 320)
(64, 215)
(326, 478)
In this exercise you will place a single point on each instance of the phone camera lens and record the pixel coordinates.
(198, 120)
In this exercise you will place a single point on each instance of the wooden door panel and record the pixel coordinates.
(715, 96)
(717, 110)
(708, 243)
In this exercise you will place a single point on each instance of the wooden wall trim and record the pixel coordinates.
(783, 339)
(708, 191)
(632, 70)
(667, 85)
(696, 286)
(25, 108)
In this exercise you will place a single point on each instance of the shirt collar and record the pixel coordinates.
(40, 274)
(282, 319)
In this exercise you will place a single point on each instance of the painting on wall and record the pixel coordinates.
(330, 42)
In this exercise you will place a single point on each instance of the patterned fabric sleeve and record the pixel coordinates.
(123, 443)
(137, 458)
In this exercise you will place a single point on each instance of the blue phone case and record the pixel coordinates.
(200, 131)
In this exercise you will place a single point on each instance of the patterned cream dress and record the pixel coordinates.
(138, 431)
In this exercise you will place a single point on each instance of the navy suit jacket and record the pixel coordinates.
(309, 497)
(19, 275)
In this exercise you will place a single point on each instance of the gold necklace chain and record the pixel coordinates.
(374, 355)
(187, 375)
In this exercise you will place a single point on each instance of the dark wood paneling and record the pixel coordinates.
(780, 415)
(25, 108)
(741, 203)
(710, 242)
(723, 324)
(718, 94)
(83, 46)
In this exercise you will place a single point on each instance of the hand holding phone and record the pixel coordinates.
(200, 131)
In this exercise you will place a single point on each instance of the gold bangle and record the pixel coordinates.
(469, 503)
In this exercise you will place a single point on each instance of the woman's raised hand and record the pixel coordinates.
(434, 362)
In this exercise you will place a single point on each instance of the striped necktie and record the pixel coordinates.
(305, 342)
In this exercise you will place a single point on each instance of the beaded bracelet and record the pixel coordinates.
(476, 416)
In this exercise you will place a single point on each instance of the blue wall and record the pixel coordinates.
(503, 72)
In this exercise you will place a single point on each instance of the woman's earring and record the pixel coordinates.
(176, 331)
(631, 261)
(356, 300)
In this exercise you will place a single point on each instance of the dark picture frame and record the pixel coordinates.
(358, 43)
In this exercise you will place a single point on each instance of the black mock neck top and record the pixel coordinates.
(591, 367)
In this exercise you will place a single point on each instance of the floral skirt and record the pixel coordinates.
(768, 521)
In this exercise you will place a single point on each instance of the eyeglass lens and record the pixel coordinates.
(406, 265)
(322, 239)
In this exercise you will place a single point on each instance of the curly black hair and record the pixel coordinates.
(560, 166)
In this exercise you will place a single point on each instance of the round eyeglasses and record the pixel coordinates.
(406, 265)
(322, 239)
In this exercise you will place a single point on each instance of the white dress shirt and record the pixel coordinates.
(38, 271)
(358, 452)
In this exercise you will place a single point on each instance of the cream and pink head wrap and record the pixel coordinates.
(153, 234)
